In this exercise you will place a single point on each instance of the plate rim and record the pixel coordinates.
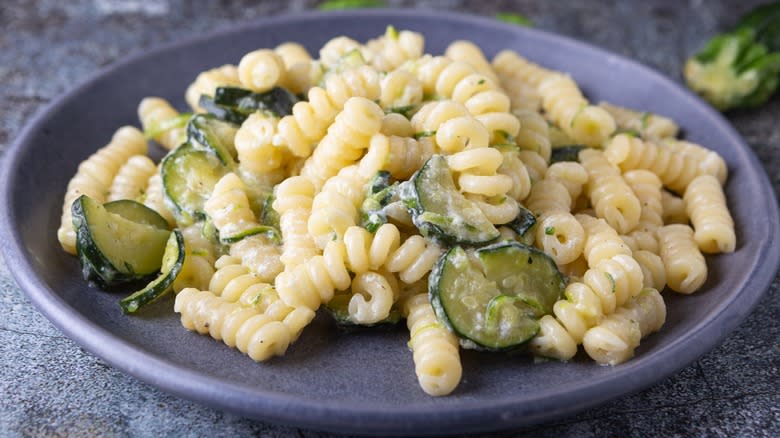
(354, 417)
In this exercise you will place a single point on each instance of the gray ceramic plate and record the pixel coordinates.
(364, 382)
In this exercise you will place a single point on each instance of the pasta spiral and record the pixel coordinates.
(673, 208)
(571, 175)
(649, 126)
(228, 207)
(254, 142)
(261, 70)
(347, 139)
(513, 167)
(653, 270)
(293, 200)
(336, 207)
(614, 340)
(380, 294)
(611, 197)
(434, 348)
(705, 204)
(394, 49)
(251, 332)
(515, 80)
(132, 178)
(95, 175)
(533, 134)
(476, 171)
(675, 170)
(468, 52)
(686, 269)
(259, 255)
(153, 112)
(310, 119)
(710, 162)
(558, 233)
(399, 89)
(647, 188)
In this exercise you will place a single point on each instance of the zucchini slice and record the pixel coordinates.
(493, 299)
(566, 153)
(113, 249)
(278, 101)
(440, 211)
(172, 261)
(223, 113)
(189, 176)
(523, 225)
(214, 135)
(270, 232)
(137, 212)
(524, 271)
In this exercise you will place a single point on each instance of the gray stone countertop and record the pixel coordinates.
(49, 386)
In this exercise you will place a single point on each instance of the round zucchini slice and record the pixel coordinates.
(189, 176)
(214, 135)
(493, 297)
(172, 261)
(113, 249)
(137, 212)
(440, 211)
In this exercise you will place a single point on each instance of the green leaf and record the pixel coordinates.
(333, 5)
(512, 18)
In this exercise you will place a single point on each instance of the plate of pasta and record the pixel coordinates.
(389, 221)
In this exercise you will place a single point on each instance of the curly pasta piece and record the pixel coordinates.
(653, 270)
(571, 175)
(254, 141)
(534, 133)
(476, 172)
(515, 81)
(259, 255)
(207, 83)
(310, 119)
(513, 167)
(261, 70)
(413, 259)
(647, 188)
(611, 197)
(558, 233)
(649, 126)
(401, 156)
(400, 89)
(686, 269)
(199, 257)
(673, 208)
(602, 241)
(395, 124)
(675, 170)
(434, 348)
(293, 200)
(710, 162)
(301, 71)
(346, 141)
(395, 48)
(459, 81)
(95, 175)
(257, 335)
(153, 198)
(336, 207)
(468, 52)
(498, 210)
(705, 204)
(132, 178)
(614, 340)
(154, 112)
(335, 49)
(535, 164)
(379, 292)
(228, 206)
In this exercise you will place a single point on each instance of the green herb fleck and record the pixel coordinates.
(333, 5)
(549, 231)
(513, 18)
(391, 33)
(611, 281)
(481, 81)
(419, 135)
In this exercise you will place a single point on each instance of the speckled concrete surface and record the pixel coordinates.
(51, 387)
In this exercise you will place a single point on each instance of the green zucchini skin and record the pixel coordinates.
(223, 113)
(440, 211)
(270, 232)
(278, 101)
(214, 135)
(380, 192)
(137, 212)
(111, 249)
(172, 262)
(566, 153)
(189, 176)
(492, 300)
(523, 224)
(270, 216)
